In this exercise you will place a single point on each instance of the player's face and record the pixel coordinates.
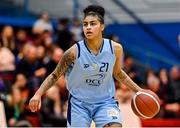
(92, 27)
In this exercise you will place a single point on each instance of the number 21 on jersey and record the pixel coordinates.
(104, 67)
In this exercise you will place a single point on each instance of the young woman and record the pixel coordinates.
(90, 66)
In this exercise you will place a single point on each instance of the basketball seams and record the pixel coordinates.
(137, 110)
(134, 99)
(152, 98)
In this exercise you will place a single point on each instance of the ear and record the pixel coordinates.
(102, 27)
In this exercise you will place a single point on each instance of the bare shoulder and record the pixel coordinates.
(70, 54)
(118, 49)
(72, 50)
(67, 59)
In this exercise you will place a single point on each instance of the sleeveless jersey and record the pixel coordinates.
(90, 78)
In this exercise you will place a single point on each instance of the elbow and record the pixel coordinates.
(120, 75)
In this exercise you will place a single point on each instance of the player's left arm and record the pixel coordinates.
(118, 73)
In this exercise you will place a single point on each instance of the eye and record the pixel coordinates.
(85, 24)
(93, 24)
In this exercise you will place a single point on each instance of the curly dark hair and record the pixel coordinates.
(95, 10)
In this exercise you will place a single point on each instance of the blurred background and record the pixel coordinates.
(35, 33)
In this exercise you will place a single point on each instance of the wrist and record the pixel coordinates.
(139, 89)
(39, 94)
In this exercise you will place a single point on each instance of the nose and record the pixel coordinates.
(88, 27)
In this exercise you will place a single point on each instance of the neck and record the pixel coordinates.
(94, 44)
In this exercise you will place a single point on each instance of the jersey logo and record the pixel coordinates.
(93, 66)
(95, 80)
(86, 65)
(113, 113)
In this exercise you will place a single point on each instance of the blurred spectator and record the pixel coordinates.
(15, 110)
(54, 59)
(7, 68)
(24, 53)
(22, 84)
(41, 54)
(76, 30)
(65, 37)
(52, 115)
(173, 108)
(29, 65)
(7, 39)
(175, 82)
(7, 58)
(21, 39)
(153, 83)
(165, 92)
(45, 39)
(42, 24)
(165, 87)
(130, 69)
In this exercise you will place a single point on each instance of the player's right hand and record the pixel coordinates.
(35, 103)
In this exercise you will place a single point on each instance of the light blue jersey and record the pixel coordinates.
(92, 87)
(90, 77)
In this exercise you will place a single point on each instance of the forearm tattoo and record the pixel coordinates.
(67, 59)
(125, 79)
(121, 76)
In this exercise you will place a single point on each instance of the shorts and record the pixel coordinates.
(81, 114)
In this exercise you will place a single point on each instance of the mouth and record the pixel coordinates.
(88, 33)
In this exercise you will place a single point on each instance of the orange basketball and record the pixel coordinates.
(145, 104)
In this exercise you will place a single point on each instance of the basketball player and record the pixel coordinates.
(90, 66)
